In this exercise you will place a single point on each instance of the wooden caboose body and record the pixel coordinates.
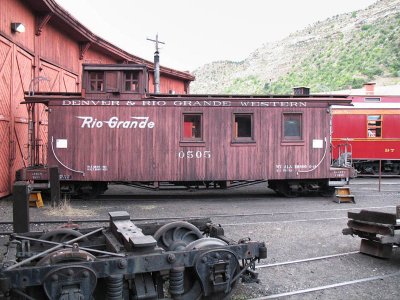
(116, 132)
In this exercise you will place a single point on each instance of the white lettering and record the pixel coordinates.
(114, 122)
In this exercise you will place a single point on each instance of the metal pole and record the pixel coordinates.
(156, 65)
(380, 174)
(156, 72)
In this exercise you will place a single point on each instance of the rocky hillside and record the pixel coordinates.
(342, 51)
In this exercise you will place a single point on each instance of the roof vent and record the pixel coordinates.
(369, 88)
(301, 90)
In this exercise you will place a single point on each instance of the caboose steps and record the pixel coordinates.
(343, 195)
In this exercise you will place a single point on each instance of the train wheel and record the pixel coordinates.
(286, 190)
(61, 235)
(65, 256)
(193, 284)
(177, 235)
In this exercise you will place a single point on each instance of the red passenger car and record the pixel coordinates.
(371, 128)
(116, 132)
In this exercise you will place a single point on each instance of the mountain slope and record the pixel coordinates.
(342, 51)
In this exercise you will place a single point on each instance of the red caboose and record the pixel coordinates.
(116, 132)
(371, 128)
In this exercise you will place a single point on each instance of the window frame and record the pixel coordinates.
(124, 81)
(293, 139)
(375, 127)
(247, 139)
(193, 139)
(102, 90)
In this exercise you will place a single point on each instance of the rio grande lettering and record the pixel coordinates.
(114, 122)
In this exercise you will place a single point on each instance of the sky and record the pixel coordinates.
(197, 32)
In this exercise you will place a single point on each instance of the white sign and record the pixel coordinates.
(317, 144)
(61, 143)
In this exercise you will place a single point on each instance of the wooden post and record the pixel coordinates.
(21, 207)
(54, 186)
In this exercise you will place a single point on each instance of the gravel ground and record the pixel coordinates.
(296, 228)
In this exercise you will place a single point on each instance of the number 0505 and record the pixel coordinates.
(194, 154)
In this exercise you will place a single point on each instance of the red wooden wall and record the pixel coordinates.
(54, 52)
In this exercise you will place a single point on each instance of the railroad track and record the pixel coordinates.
(321, 287)
(187, 217)
(330, 286)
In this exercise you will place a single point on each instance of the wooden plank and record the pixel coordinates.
(373, 216)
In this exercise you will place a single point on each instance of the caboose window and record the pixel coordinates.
(374, 124)
(243, 127)
(131, 81)
(192, 128)
(96, 81)
(292, 127)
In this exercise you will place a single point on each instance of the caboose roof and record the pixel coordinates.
(46, 97)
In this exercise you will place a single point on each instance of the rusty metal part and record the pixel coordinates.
(379, 231)
(207, 267)
(73, 254)
(373, 216)
(376, 249)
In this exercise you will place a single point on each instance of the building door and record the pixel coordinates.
(22, 74)
(6, 51)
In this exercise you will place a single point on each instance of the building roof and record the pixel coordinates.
(378, 90)
(61, 18)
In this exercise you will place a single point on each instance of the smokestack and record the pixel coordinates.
(156, 65)
(369, 88)
(156, 72)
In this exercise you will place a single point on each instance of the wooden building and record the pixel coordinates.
(42, 48)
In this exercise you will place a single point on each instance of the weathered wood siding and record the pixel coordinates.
(50, 52)
(168, 85)
(159, 154)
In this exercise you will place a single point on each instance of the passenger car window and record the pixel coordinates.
(192, 127)
(292, 127)
(374, 125)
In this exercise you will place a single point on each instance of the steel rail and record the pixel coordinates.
(284, 221)
(305, 260)
(208, 216)
(330, 286)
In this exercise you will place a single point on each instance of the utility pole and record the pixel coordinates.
(156, 65)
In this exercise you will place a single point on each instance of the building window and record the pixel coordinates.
(192, 127)
(374, 125)
(372, 99)
(96, 81)
(131, 81)
(292, 127)
(243, 127)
